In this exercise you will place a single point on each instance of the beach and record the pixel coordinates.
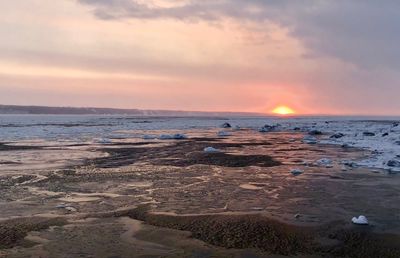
(118, 186)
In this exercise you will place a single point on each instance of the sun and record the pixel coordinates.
(283, 110)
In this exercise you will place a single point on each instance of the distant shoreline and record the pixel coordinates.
(47, 110)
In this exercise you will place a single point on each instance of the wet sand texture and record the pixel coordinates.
(13, 232)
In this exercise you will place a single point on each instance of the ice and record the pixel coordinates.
(223, 134)
(310, 139)
(324, 162)
(382, 139)
(104, 141)
(361, 220)
(211, 150)
(149, 137)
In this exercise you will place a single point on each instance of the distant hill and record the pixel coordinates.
(44, 110)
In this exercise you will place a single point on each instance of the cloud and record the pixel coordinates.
(364, 33)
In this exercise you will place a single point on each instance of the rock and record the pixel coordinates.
(177, 136)
(337, 136)
(397, 142)
(297, 216)
(296, 172)
(385, 134)
(393, 163)
(223, 134)
(71, 209)
(368, 134)
(395, 124)
(226, 125)
(61, 206)
(361, 220)
(345, 145)
(296, 129)
(344, 168)
(315, 132)
(310, 139)
(269, 128)
(211, 150)
(237, 128)
(350, 164)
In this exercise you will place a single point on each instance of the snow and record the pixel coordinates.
(379, 135)
(361, 220)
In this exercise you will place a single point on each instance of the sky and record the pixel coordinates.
(315, 56)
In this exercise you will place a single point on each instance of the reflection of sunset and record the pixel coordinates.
(283, 110)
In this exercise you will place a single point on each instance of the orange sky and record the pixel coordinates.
(64, 53)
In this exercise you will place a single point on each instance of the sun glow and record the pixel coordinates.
(283, 110)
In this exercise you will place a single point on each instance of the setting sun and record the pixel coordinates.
(283, 110)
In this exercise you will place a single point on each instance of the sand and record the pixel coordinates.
(170, 199)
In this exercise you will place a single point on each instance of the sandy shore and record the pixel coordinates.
(151, 198)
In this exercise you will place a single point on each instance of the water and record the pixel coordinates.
(102, 128)
(83, 127)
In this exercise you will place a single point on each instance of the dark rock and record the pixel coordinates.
(297, 129)
(269, 128)
(315, 132)
(393, 163)
(337, 136)
(385, 134)
(226, 125)
(368, 134)
(395, 124)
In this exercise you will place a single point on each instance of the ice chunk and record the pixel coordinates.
(149, 137)
(310, 139)
(324, 162)
(104, 141)
(223, 134)
(211, 150)
(361, 220)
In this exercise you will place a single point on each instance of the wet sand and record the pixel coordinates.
(137, 198)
